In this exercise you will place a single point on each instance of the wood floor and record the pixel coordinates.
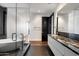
(39, 49)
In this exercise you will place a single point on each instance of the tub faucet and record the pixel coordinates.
(14, 36)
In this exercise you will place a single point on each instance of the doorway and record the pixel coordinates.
(46, 27)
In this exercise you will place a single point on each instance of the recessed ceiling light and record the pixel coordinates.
(39, 11)
(49, 3)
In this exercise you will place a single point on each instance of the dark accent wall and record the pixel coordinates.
(57, 26)
(46, 28)
(3, 13)
(69, 35)
(52, 15)
(49, 26)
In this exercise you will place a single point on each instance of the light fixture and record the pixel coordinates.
(39, 11)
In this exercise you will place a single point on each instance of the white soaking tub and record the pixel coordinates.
(9, 45)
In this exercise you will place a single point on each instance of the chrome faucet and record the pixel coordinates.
(14, 36)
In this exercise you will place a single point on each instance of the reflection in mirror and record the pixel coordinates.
(68, 21)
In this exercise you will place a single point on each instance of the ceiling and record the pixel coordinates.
(40, 8)
(45, 9)
(69, 7)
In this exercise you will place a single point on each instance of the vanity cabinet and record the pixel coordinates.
(59, 49)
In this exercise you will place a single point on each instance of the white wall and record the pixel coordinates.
(57, 10)
(69, 23)
(74, 22)
(63, 22)
(22, 21)
(11, 21)
(35, 27)
(52, 25)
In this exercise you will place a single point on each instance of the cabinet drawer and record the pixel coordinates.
(54, 50)
(66, 51)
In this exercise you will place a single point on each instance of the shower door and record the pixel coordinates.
(12, 27)
(16, 28)
(23, 25)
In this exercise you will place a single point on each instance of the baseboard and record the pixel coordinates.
(35, 40)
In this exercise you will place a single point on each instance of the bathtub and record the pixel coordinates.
(9, 45)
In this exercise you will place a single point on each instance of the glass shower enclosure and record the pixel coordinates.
(16, 26)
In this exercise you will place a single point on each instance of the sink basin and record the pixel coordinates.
(75, 44)
(64, 41)
(60, 40)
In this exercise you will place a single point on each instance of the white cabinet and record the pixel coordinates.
(58, 49)
(53, 48)
(65, 50)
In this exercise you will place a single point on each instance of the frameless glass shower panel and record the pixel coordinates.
(23, 25)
